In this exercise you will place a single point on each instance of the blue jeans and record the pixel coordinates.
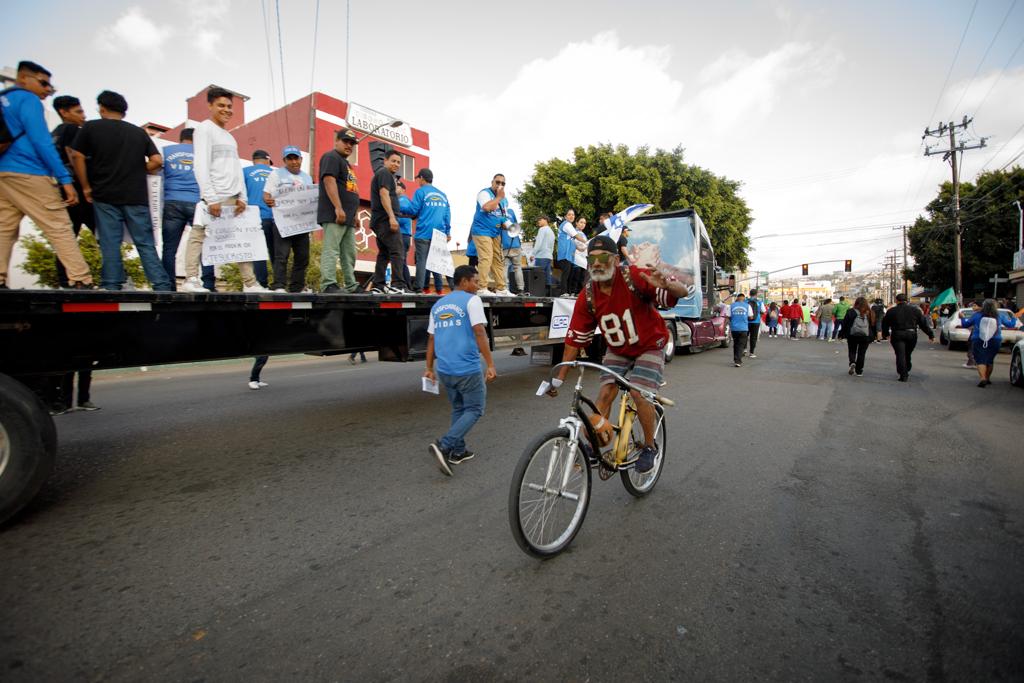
(259, 268)
(825, 329)
(178, 214)
(422, 274)
(467, 394)
(111, 221)
(545, 263)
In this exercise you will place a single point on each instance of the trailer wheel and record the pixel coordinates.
(28, 446)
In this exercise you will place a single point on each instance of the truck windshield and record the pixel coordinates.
(670, 244)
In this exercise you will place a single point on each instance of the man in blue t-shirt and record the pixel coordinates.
(490, 215)
(181, 194)
(755, 325)
(255, 177)
(740, 317)
(430, 208)
(457, 337)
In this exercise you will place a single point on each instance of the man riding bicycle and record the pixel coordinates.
(621, 300)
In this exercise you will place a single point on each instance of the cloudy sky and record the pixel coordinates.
(817, 108)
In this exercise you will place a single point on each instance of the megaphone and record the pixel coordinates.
(515, 230)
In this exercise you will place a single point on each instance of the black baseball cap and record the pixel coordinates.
(345, 134)
(602, 243)
(426, 174)
(261, 154)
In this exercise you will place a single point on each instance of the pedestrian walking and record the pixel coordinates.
(255, 178)
(772, 318)
(858, 330)
(337, 209)
(826, 323)
(796, 316)
(28, 166)
(805, 319)
(543, 249)
(457, 338)
(289, 178)
(352, 357)
(986, 338)
(112, 158)
(430, 207)
(839, 314)
(255, 383)
(754, 328)
(181, 194)
(221, 186)
(878, 308)
(740, 317)
(485, 233)
(900, 325)
(970, 363)
(384, 211)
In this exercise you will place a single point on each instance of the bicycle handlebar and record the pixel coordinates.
(619, 379)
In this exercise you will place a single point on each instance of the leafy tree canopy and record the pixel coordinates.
(989, 222)
(606, 178)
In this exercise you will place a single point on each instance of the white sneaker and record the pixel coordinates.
(485, 292)
(503, 292)
(254, 385)
(753, 355)
(193, 284)
(262, 384)
(257, 288)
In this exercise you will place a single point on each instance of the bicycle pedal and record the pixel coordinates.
(605, 472)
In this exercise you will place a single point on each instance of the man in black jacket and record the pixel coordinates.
(878, 308)
(900, 325)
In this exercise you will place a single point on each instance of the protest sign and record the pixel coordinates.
(439, 260)
(295, 210)
(234, 239)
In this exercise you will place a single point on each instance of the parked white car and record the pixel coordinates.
(1017, 364)
(954, 334)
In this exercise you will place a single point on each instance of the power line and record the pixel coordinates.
(270, 58)
(316, 26)
(348, 40)
(999, 77)
(956, 55)
(999, 151)
(983, 57)
(284, 88)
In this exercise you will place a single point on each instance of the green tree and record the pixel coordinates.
(607, 178)
(40, 261)
(989, 223)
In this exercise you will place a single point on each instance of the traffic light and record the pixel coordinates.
(804, 268)
(848, 266)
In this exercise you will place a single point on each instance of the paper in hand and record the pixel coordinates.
(430, 386)
(543, 388)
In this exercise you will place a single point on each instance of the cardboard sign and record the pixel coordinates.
(295, 210)
(561, 315)
(439, 260)
(155, 194)
(234, 239)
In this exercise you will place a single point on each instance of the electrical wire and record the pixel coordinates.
(983, 58)
(999, 77)
(270, 58)
(348, 40)
(316, 26)
(284, 88)
(956, 56)
(1000, 150)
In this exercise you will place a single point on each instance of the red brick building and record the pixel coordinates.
(309, 123)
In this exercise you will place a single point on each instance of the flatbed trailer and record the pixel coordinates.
(45, 334)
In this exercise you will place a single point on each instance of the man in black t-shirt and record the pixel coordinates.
(72, 117)
(384, 222)
(337, 212)
(111, 159)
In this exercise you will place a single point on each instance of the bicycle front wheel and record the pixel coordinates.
(640, 484)
(545, 514)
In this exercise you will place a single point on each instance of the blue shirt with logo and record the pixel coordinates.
(566, 244)
(430, 208)
(179, 177)
(488, 223)
(255, 180)
(404, 223)
(739, 316)
(32, 152)
(454, 339)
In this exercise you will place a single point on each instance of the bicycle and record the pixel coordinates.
(550, 490)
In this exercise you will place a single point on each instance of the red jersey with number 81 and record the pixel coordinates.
(628, 319)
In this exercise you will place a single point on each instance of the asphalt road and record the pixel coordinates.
(809, 525)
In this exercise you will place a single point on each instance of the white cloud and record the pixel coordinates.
(133, 32)
(205, 21)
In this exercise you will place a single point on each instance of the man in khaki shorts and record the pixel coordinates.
(30, 171)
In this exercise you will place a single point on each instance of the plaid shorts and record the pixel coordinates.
(644, 371)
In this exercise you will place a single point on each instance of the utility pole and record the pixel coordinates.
(906, 283)
(951, 155)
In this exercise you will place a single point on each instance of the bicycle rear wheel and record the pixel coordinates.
(640, 484)
(545, 516)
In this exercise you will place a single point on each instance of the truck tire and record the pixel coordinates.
(28, 446)
(670, 347)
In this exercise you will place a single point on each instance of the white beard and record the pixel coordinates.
(603, 276)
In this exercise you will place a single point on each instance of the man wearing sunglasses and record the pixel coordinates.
(29, 166)
(622, 301)
(488, 221)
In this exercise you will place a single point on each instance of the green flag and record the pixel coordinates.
(946, 297)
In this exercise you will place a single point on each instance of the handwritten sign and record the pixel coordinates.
(439, 260)
(295, 210)
(234, 239)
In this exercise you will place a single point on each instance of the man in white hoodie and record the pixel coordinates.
(221, 186)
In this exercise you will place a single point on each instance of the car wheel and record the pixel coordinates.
(1016, 371)
(670, 347)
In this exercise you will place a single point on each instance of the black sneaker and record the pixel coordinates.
(331, 289)
(456, 458)
(441, 457)
(645, 462)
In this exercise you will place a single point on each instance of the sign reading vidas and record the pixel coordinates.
(366, 120)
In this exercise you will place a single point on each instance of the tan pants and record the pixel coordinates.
(38, 198)
(490, 262)
(194, 249)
